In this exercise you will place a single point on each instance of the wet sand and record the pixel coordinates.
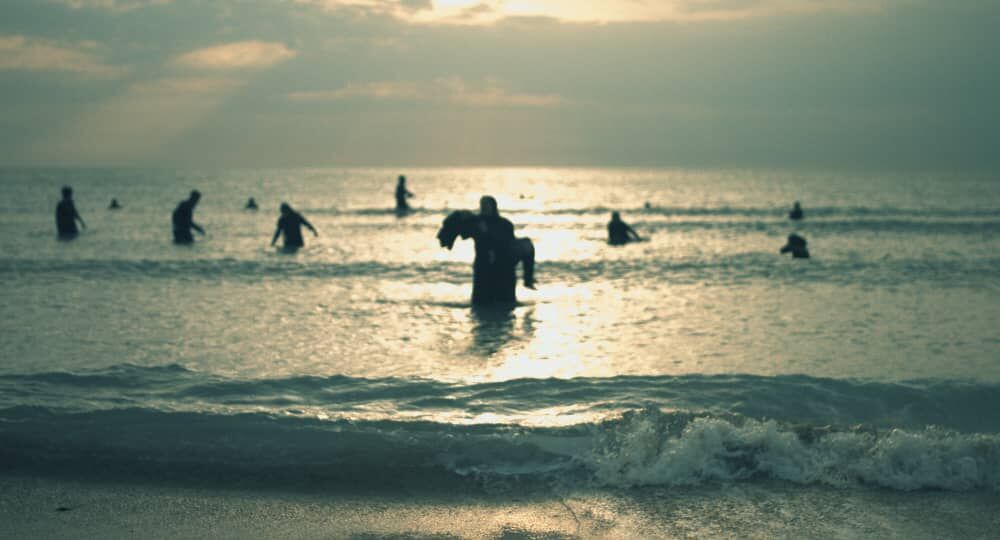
(33, 507)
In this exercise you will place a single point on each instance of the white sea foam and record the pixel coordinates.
(641, 451)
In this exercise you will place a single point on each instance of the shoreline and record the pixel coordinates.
(51, 507)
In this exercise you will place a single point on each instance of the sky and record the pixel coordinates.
(889, 84)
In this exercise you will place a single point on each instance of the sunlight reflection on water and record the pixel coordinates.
(885, 296)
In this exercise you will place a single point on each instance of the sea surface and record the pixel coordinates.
(700, 357)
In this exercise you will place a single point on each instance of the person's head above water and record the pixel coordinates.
(615, 216)
(285, 209)
(488, 206)
(402, 179)
(67, 192)
(195, 195)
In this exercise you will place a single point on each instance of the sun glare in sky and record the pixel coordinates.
(475, 11)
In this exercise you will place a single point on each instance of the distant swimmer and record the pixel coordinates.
(402, 194)
(251, 204)
(67, 216)
(183, 219)
(114, 205)
(797, 246)
(290, 224)
(619, 233)
(796, 213)
(647, 206)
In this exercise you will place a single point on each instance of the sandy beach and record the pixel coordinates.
(33, 507)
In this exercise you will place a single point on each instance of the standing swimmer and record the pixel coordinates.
(67, 216)
(796, 213)
(401, 195)
(290, 223)
(183, 219)
(619, 233)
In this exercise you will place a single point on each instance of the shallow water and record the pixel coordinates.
(869, 364)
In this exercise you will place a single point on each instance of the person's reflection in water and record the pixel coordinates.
(183, 219)
(290, 224)
(67, 216)
(494, 328)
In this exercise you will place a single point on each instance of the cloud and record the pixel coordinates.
(491, 11)
(237, 56)
(111, 5)
(707, 6)
(186, 86)
(722, 8)
(445, 90)
(478, 13)
(403, 9)
(29, 54)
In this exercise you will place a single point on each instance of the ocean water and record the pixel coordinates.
(700, 357)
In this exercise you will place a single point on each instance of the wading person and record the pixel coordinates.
(494, 278)
(796, 213)
(619, 232)
(183, 219)
(796, 246)
(497, 252)
(290, 225)
(67, 216)
(402, 194)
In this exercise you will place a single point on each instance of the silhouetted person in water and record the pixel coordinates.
(490, 281)
(183, 219)
(290, 224)
(251, 204)
(402, 206)
(67, 216)
(493, 275)
(619, 233)
(797, 246)
(114, 205)
(796, 213)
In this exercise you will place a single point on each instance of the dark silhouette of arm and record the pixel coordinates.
(198, 228)
(308, 225)
(277, 233)
(76, 216)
